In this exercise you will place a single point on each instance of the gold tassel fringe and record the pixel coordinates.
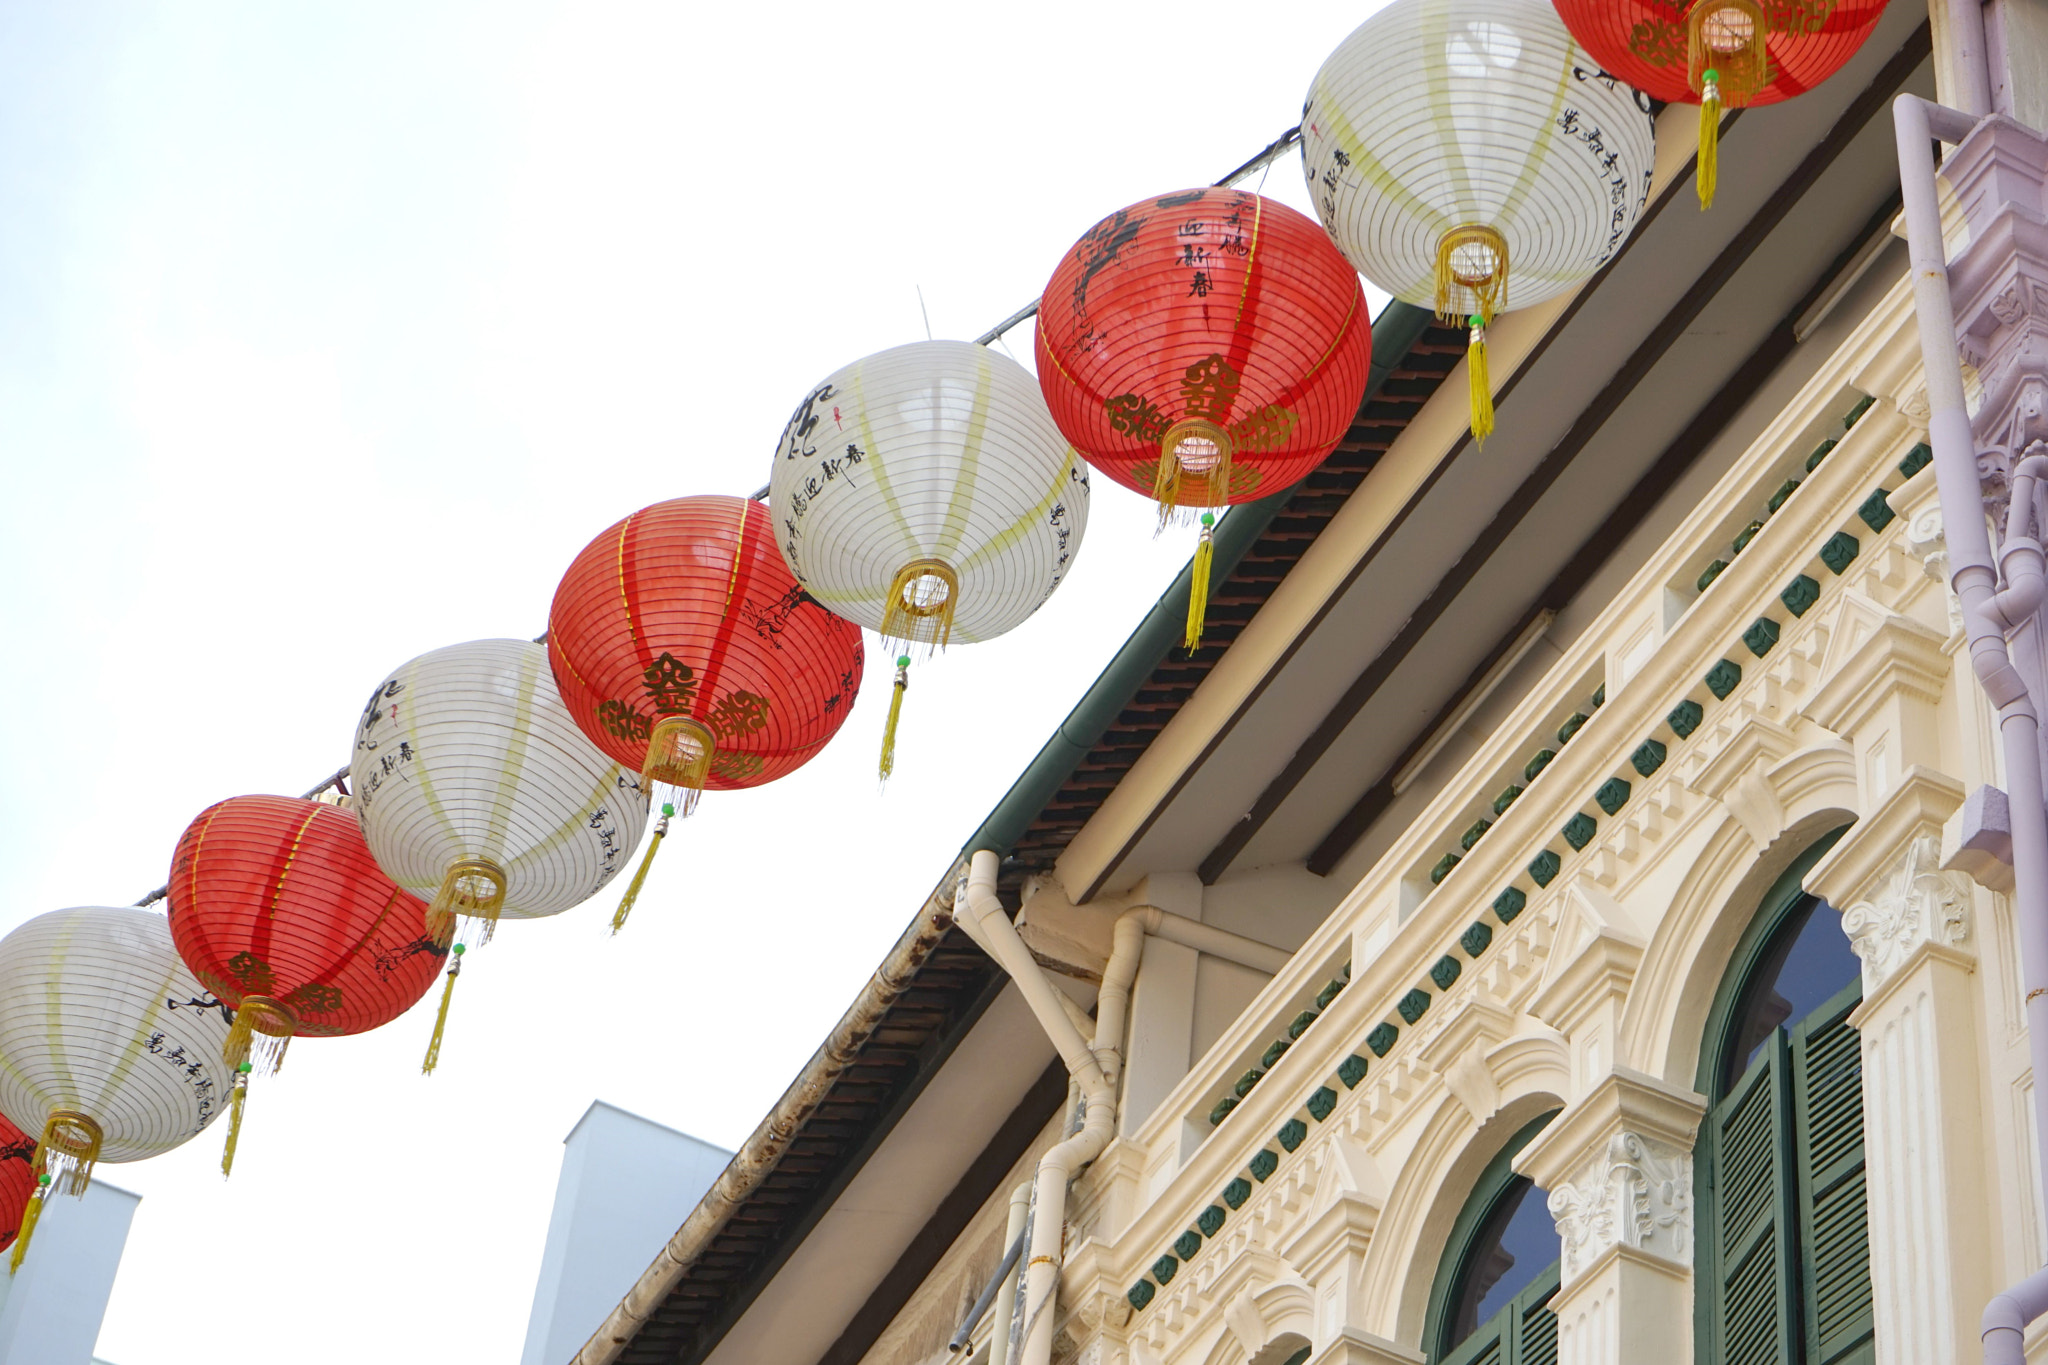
(1471, 272)
(1481, 383)
(1194, 467)
(473, 888)
(1707, 174)
(1198, 584)
(262, 1029)
(441, 1019)
(640, 874)
(69, 1149)
(29, 1216)
(921, 603)
(888, 765)
(1727, 65)
(679, 752)
(236, 1100)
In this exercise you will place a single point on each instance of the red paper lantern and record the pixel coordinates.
(684, 647)
(1207, 347)
(279, 909)
(1716, 53)
(17, 1180)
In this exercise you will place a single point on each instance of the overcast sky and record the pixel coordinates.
(328, 334)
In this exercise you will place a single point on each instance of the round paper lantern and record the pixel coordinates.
(17, 1180)
(1717, 53)
(927, 494)
(1204, 347)
(1467, 155)
(278, 908)
(685, 648)
(475, 787)
(110, 1049)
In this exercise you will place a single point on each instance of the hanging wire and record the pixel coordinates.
(1272, 152)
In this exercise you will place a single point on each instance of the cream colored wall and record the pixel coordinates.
(1595, 996)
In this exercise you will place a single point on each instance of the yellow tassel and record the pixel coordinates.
(921, 603)
(1481, 383)
(1708, 174)
(37, 1198)
(262, 1030)
(69, 1150)
(473, 888)
(679, 752)
(441, 1019)
(1727, 61)
(1471, 271)
(236, 1100)
(640, 875)
(888, 764)
(1198, 583)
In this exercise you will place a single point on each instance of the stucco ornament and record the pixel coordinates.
(1919, 903)
(1635, 1192)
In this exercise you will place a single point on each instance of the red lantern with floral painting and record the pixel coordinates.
(17, 1180)
(1720, 53)
(1205, 348)
(684, 647)
(279, 909)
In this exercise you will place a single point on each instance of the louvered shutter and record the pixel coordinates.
(1536, 1325)
(1753, 1314)
(1524, 1332)
(1827, 1094)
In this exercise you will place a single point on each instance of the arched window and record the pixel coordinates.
(1490, 1302)
(1784, 1251)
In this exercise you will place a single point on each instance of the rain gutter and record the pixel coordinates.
(1393, 332)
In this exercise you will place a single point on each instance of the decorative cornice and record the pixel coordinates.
(1593, 962)
(1624, 1101)
(1916, 808)
(1353, 1347)
(1898, 654)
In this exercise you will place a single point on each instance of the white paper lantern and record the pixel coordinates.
(110, 1049)
(926, 494)
(938, 454)
(1437, 117)
(476, 790)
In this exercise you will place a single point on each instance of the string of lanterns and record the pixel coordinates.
(1202, 347)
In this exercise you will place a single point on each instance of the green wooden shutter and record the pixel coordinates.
(1536, 1334)
(1753, 1313)
(1524, 1332)
(1834, 1238)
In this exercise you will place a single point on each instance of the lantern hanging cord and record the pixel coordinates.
(1272, 152)
(334, 781)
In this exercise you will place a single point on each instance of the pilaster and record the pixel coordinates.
(1910, 923)
(1618, 1166)
(1587, 979)
(1328, 1248)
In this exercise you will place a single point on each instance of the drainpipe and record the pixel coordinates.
(979, 906)
(1989, 612)
(1014, 1230)
(1095, 1066)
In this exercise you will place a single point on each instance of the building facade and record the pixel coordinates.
(1604, 944)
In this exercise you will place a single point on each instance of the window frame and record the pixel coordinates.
(1774, 909)
(1492, 1185)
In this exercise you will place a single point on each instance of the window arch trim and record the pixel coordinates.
(1775, 907)
(1488, 1190)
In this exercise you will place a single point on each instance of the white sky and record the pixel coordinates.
(328, 334)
